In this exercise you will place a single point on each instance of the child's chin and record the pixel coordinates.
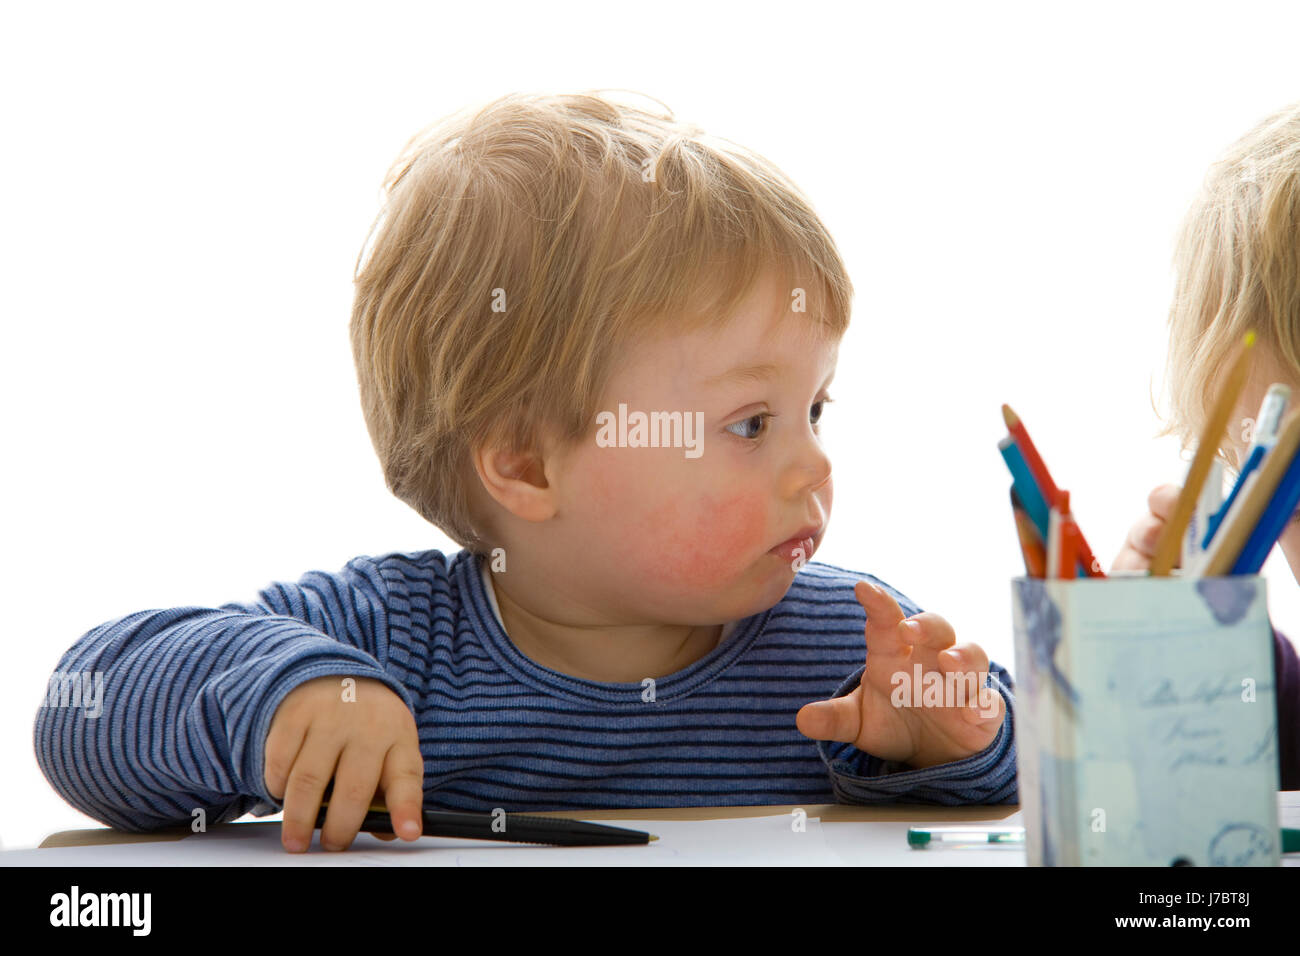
(752, 596)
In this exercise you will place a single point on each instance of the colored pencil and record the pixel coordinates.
(1047, 487)
(1054, 543)
(1034, 460)
(1267, 423)
(1256, 493)
(1031, 544)
(1169, 544)
(1067, 538)
(1207, 505)
(1272, 522)
(1027, 492)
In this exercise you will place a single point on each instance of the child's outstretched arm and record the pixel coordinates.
(189, 696)
(929, 720)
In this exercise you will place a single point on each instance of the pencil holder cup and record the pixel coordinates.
(1145, 721)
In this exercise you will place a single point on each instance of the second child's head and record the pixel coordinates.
(546, 271)
(1237, 268)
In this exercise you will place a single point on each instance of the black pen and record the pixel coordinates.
(504, 827)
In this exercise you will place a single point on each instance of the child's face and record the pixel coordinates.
(672, 538)
(1266, 372)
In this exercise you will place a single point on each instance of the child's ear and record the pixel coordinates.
(516, 480)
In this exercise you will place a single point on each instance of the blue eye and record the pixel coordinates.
(814, 416)
(760, 418)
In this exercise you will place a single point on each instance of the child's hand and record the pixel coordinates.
(367, 744)
(920, 736)
(1140, 547)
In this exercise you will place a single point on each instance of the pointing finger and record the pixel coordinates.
(885, 632)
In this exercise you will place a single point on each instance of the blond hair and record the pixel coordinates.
(523, 247)
(1237, 264)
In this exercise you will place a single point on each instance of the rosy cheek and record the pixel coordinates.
(702, 545)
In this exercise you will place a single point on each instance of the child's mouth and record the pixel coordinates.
(794, 548)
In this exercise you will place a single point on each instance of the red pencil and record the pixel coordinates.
(1051, 494)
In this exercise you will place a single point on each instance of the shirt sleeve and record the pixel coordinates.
(1286, 672)
(987, 777)
(174, 705)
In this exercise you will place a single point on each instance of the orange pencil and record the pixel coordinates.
(1070, 540)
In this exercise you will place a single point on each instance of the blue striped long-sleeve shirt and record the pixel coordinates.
(189, 694)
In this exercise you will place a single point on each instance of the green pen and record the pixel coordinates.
(921, 837)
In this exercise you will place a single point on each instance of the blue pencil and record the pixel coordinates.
(1272, 522)
(1256, 456)
(1027, 490)
(1267, 426)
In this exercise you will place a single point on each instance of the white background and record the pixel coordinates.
(183, 194)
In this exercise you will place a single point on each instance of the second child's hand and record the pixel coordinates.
(1140, 545)
(920, 736)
